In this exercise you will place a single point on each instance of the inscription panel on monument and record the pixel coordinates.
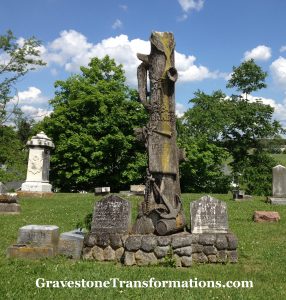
(209, 215)
(112, 214)
(162, 156)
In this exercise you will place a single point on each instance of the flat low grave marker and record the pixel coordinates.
(35, 241)
(9, 204)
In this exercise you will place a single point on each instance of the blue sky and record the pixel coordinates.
(211, 37)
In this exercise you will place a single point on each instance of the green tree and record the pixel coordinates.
(237, 125)
(18, 58)
(13, 155)
(92, 126)
(203, 169)
(247, 78)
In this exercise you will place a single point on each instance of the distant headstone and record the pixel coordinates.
(2, 188)
(209, 215)
(266, 216)
(278, 185)
(112, 214)
(137, 189)
(9, 204)
(102, 190)
(37, 179)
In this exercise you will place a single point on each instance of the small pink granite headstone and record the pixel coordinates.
(266, 216)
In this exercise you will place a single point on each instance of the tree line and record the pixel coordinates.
(95, 115)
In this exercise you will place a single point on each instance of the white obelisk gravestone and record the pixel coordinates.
(38, 165)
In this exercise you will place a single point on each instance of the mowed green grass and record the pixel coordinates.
(262, 256)
(281, 158)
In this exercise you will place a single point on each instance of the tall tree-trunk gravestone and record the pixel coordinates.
(162, 207)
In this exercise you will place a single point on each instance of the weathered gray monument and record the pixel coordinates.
(160, 228)
(38, 165)
(278, 186)
(162, 204)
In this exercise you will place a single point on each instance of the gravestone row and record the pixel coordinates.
(111, 237)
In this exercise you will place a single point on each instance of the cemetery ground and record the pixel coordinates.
(261, 248)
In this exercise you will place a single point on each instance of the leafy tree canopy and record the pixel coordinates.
(92, 126)
(18, 56)
(248, 77)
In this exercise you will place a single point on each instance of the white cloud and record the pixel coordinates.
(35, 113)
(279, 108)
(261, 52)
(71, 50)
(283, 49)
(182, 18)
(117, 24)
(180, 109)
(188, 5)
(69, 45)
(278, 70)
(123, 7)
(32, 95)
(32, 102)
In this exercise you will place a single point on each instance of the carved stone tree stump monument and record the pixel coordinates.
(161, 212)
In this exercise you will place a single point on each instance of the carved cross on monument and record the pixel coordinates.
(162, 203)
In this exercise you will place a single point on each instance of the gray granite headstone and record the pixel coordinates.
(2, 188)
(209, 215)
(39, 235)
(112, 214)
(71, 243)
(279, 181)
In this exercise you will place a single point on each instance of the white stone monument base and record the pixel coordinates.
(277, 201)
(30, 186)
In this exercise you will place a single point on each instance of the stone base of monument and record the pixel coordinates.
(104, 246)
(184, 248)
(214, 248)
(33, 186)
(276, 201)
(71, 243)
(10, 208)
(25, 194)
(35, 241)
(29, 252)
(9, 205)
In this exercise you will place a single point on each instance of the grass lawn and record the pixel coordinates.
(262, 256)
(281, 158)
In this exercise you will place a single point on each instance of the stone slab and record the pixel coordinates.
(266, 216)
(71, 244)
(208, 215)
(42, 187)
(8, 198)
(39, 235)
(10, 209)
(102, 190)
(27, 251)
(112, 214)
(277, 201)
(24, 194)
(137, 189)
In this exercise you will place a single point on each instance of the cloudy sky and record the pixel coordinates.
(211, 37)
